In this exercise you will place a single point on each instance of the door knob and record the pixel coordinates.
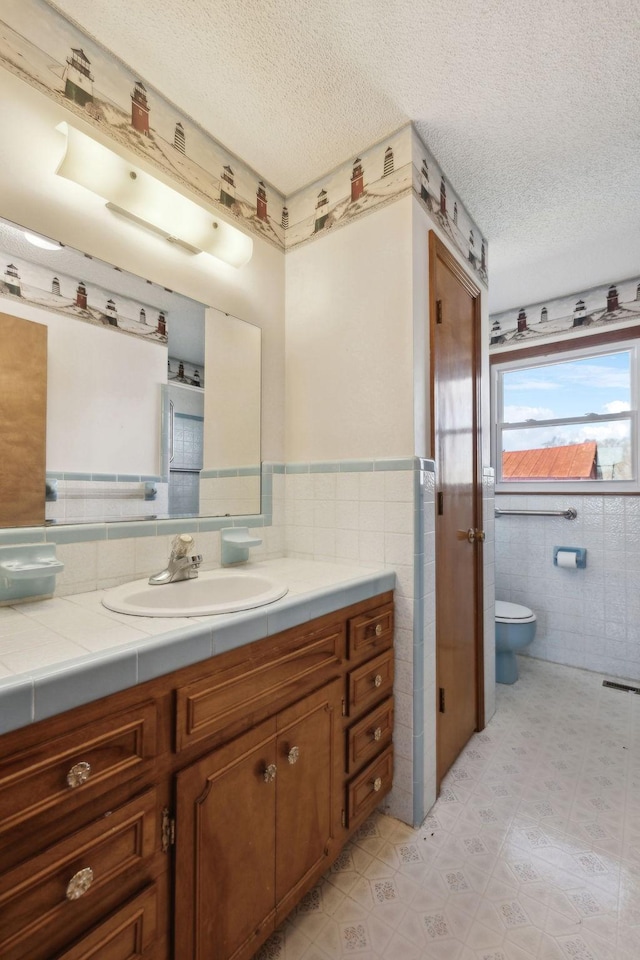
(473, 536)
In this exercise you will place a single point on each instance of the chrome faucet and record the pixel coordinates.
(182, 565)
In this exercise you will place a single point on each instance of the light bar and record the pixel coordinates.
(131, 192)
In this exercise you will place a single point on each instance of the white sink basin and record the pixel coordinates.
(217, 591)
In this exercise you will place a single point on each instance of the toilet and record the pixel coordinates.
(515, 629)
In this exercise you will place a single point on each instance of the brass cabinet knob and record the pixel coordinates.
(377, 680)
(293, 755)
(377, 734)
(78, 774)
(270, 773)
(378, 630)
(377, 784)
(79, 883)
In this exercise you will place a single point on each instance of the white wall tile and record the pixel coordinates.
(579, 611)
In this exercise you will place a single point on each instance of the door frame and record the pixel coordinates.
(438, 250)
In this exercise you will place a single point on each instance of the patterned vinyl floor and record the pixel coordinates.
(531, 851)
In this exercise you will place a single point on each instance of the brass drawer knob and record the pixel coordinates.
(79, 883)
(377, 680)
(78, 774)
(270, 773)
(377, 784)
(378, 630)
(293, 755)
(377, 734)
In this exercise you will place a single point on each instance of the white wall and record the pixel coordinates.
(349, 349)
(32, 195)
(103, 395)
(232, 393)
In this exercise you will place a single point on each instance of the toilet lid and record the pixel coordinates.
(512, 611)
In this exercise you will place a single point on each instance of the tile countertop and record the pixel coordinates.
(60, 653)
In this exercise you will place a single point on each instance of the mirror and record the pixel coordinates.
(153, 399)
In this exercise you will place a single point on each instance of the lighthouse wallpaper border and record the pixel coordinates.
(609, 305)
(52, 55)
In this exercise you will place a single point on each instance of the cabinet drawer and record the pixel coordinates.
(248, 691)
(371, 632)
(365, 792)
(369, 736)
(370, 683)
(73, 769)
(46, 902)
(128, 934)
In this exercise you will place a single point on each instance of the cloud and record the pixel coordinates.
(515, 413)
(616, 406)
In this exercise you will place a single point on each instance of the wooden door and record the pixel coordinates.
(23, 401)
(310, 764)
(225, 849)
(455, 352)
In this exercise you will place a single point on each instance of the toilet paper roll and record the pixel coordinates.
(567, 558)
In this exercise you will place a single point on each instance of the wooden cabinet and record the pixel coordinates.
(257, 821)
(183, 819)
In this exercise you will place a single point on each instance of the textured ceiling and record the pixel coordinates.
(532, 109)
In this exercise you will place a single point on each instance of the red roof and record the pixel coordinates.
(574, 462)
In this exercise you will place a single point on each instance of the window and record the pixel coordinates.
(568, 420)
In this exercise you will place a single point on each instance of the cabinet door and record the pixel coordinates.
(309, 799)
(225, 849)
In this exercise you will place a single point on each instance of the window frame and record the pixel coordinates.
(559, 352)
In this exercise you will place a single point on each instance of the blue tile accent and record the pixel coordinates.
(76, 533)
(150, 478)
(16, 703)
(23, 535)
(81, 681)
(177, 526)
(404, 463)
(126, 478)
(248, 471)
(296, 468)
(234, 630)
(419, 811)
(355, 466)
(205, 524)
(231, 472)
(328, 467)
(78, 476)
(267, 468)
(132, 528)
(110, 477)
(279, 468)
(177, 649)
(54, 475)
(208, 474)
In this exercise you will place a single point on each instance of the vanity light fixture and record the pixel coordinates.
(131, 192)
(43, 242)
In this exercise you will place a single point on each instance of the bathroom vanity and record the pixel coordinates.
(184, 817)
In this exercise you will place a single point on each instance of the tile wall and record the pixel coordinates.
(489, 576)
(586, 618)
(380, 513)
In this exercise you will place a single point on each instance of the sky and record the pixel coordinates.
(574, 388)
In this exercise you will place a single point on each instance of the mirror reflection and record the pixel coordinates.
(152, 399)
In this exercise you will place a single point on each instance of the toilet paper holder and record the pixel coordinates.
(577, 557)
